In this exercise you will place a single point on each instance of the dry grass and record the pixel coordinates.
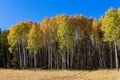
(9, 74)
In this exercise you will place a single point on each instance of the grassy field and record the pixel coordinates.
(9, 74)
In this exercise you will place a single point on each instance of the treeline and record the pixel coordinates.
(63, 42)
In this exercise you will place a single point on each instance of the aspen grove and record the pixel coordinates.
(63, 42)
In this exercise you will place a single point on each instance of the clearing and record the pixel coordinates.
(10, 74)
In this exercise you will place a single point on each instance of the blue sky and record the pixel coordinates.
(14, 11)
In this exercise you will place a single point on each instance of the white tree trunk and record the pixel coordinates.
(116, 55)
(20, 56)
(35, 60)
